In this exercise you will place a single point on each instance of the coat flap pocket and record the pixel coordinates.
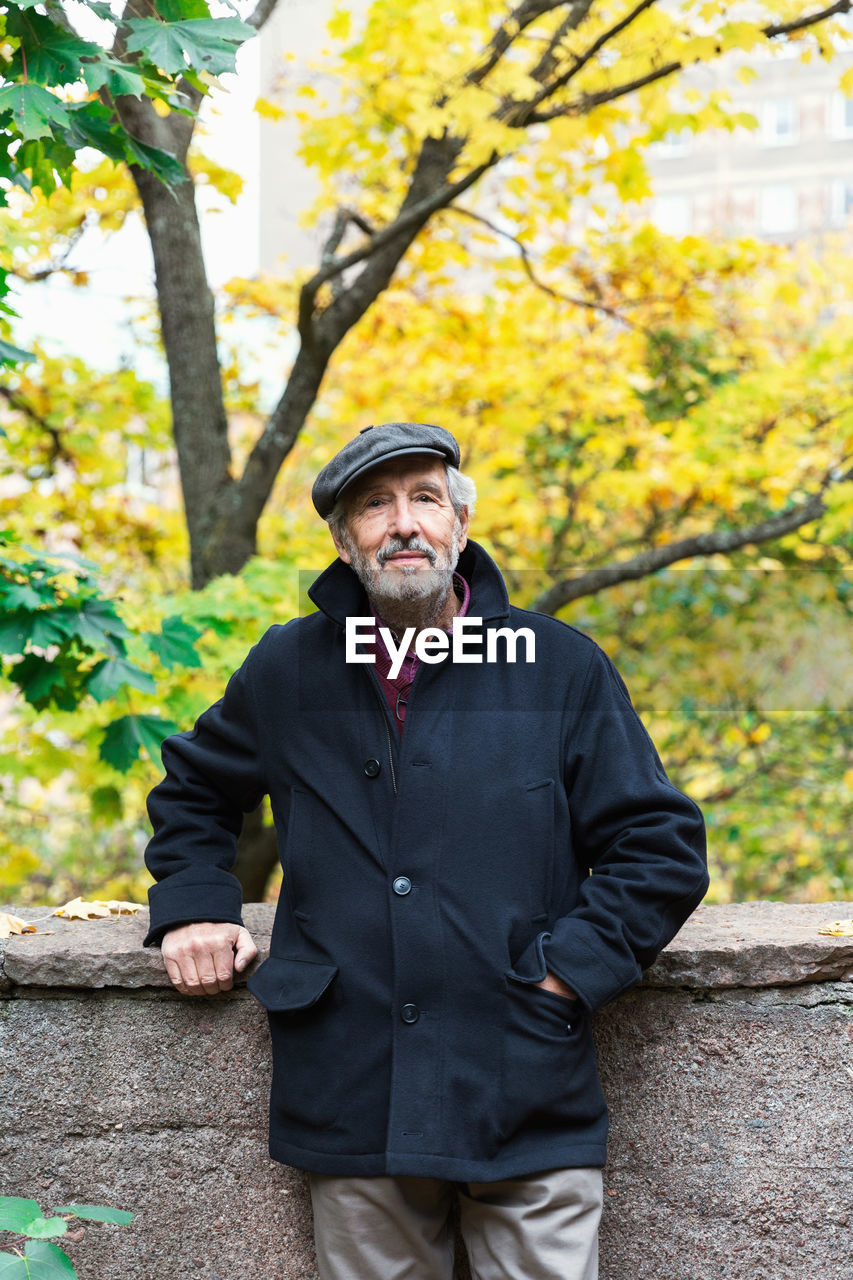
(281, 983)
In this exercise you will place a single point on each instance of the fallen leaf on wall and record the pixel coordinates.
(838, 929)
(13, 924)
(79, 909)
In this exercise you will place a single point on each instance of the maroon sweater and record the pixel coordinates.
(397, 690)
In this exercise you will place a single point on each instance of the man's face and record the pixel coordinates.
(403, 537)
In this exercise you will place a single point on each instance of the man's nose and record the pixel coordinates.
(405, 519)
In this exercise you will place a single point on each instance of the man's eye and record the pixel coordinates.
(426, 497)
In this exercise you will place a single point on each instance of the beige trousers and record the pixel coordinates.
(541, 1227)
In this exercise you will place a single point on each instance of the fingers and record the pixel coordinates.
(200, 958)
(244, 950)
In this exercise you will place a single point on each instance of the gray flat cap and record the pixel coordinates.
(374, 445)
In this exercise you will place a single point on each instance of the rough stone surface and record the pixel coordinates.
(104, 952)
(756, 944)
(729, 1075)
(750, 944)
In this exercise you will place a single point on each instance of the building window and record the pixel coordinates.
(778, 209)
(672, 214)
(841, 116)
(779, 126)
(841, 201)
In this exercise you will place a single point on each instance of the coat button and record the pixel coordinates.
(410, 1013)
(402, 885)
(372, 767)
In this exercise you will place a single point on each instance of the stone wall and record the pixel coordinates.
(729, 1074)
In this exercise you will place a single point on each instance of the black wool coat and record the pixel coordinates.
(523, 822)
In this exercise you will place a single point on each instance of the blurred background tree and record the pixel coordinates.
(661, 429)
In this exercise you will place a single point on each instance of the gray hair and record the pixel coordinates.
(461, 490)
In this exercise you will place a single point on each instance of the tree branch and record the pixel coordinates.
(521, 114)
(56, 264)
(534, 279)
(587, 101)
(548, 61)
(704, 544)
(428, 191)
(18, 402)
(597, 45)
(403, 222)
(343, 218)
(799, 24)
(263, 10)
(520, 18)
(409, 218)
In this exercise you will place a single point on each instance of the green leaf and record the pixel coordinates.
(42, 682)
(14, 631)
(167, 168)
(16, 1212)
(91, 125)
(47, 1261)
(97, 1212)
(13, 1268)
(158, 41)
(20, 595)
(174, 646)
(120, 79)
(123, 738)
(50, 626)
(10, 354)
(209, 44)
(97, 621)
(101, 8)
(112, 673)
(43, 1228)
(180, 10)
(35, 111)
(47, 160)
(106, 802)
(54, 59)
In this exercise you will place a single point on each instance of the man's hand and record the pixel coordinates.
(201, 959)
(552, 983)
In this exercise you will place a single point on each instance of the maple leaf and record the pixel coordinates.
(80, 909)
(13, 924)
(838, 929)
(35, 111)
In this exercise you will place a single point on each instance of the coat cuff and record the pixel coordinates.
(574, 953)
(172, 905)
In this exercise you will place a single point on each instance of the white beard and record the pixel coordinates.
(408, 595)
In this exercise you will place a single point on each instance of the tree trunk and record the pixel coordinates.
(189, 336)
(257, 856)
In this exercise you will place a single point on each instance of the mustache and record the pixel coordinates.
(414, 543)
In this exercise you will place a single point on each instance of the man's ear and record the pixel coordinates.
(341, 548)
(463, 520)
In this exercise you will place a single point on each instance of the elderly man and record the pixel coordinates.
(480, 847)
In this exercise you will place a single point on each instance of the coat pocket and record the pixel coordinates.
(309, 1040)
(549, 1073)
(282, 984)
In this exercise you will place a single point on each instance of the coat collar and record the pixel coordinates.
(340, 595)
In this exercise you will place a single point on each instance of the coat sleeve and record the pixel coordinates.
(641, 838)
(213, 776)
